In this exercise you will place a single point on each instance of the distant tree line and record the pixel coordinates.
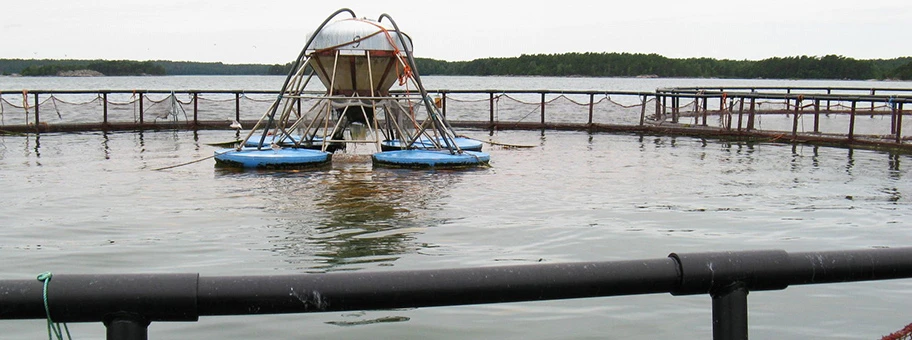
(566, 64)
(110, 68)
(201, 68)
(631, 65)
(51, 67)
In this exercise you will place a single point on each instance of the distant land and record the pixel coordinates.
(566, 64)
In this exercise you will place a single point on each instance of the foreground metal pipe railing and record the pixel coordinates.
(128, 303)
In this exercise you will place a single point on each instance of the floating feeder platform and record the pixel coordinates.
(357, 61)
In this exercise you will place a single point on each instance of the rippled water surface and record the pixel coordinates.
(92, 203)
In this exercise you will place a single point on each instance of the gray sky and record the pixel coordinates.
(267, 31)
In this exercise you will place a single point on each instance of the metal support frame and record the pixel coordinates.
(729, 312)
(126, 326)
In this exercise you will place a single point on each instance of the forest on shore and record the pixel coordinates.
(566, 64)
(633, 65)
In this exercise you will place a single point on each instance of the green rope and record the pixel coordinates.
(52, 327)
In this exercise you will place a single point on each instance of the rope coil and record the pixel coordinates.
(54, 329)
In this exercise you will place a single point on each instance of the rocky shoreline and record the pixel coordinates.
(80, 73)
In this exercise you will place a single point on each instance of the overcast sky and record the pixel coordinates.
(266, 31)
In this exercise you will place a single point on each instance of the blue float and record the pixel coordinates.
(316, 143)
(418, 158)
(280, 158)
(424, 143)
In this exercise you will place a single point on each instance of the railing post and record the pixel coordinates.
(740, 113)
(696, 110)
(829, 91)
(443, 103)
(795, 117)
(126, 326)
(642, 111)
(816, 115)
(751, 113)
(658, 107)
(37, 117)
(729, 312)
(852, 122)
(104, 98)
(543, 108)
(237, 107)
(873, 93)
(674, 107)
(140, 108)
(195, 108)
(491, 100)
(675, 101)
(899, 115)
(705, 108)
(592, 106)
(787, 102)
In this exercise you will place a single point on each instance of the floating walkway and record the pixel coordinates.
(838, 116)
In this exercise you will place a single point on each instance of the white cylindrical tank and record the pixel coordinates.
(340, 53)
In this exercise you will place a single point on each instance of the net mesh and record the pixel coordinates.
(872, 118)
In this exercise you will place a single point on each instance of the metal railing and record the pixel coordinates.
(128, 303)
(665, 111)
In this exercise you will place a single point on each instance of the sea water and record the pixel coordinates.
(92, 203)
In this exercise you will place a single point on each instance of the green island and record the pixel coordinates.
(561, 65)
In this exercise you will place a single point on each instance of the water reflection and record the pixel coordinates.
(104, 145)
(815, 159)
(893, 163)
(350, 215)
(36, 149)
(141, 143)
(894, 173)
(196, 140)
(850, 163)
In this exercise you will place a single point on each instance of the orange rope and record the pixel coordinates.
(25, 100)
(407, 70)
(405, 73)
(905, 333)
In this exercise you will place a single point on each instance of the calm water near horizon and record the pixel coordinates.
(91, 203)
(176, 83)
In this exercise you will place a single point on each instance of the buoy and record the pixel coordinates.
(280, 158)
(417, 158)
